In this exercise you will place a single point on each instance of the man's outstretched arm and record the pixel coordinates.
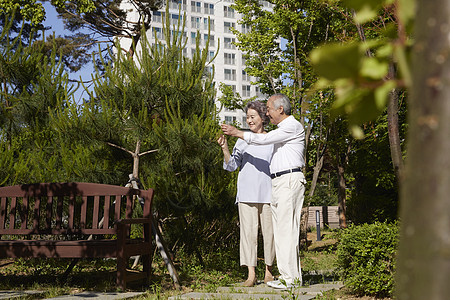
(232, 131)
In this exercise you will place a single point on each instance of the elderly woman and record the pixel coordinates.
(253, 193)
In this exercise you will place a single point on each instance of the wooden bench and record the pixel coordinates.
(77, 220)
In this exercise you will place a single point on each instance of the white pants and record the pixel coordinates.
(250, 216)
(287, 201)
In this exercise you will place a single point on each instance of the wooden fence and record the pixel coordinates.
(329, 216)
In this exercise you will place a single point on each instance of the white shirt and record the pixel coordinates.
(289, 144)
(254, 183)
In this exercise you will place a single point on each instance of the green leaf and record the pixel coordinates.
(385, 51)
(335, 61)
(365, 14)
(356, 131)
(373, 68)
(406, 11)
(359, 5)
(364, 110)
(381, 94)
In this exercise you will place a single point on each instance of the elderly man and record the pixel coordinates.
(288, 184)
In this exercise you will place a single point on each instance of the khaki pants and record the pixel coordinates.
(287, 201)
(250, 216)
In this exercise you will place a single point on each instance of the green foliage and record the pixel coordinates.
(362, 71)
(35, 90)
(267, 60)
(366, 258)
(374, 194)
(324, 195)
(30, 10)
(34, 11)
(354, 76)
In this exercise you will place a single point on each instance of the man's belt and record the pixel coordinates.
(278, 174)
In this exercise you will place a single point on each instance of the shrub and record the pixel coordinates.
(366, 258)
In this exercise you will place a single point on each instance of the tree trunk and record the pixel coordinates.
(341, 197)
(136, 159)
(342, 189)
(317, 169)
(316, 173)
(393, 131)
(424, 252)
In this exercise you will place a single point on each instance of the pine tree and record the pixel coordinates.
(34, 86)
(134, 94)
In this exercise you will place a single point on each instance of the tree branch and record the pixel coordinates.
(147, 152)
(121, 148)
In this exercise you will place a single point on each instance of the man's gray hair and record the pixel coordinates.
(282, 100)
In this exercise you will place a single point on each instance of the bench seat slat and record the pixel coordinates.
(70, 249)
(59, 231)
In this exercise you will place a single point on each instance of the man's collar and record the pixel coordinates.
(287, 116)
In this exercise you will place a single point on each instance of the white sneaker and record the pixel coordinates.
(276, 284)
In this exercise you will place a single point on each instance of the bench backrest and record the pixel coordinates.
(68, 208)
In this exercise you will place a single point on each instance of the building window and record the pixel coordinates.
(228, 12)
(208, 8)
(208, 70)
(230, 74)
(229, 58)
(175, 3)
(243, 60)
(233, 88)
(195, 22)
(205, 24)
(245, 91)
(174, 19)
(245, 28)
(229, 43)
(157, 33)
(196, 6)
(230, 119)
(245, 76)
(157, 18)
(193, 38)
(210, 55)
(227, 27)
(212, 43)
(244, 122)
(258, 92)
(265, 4)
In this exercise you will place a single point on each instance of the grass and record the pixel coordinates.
(220, 268)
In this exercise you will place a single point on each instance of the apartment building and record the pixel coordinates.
(229, 63)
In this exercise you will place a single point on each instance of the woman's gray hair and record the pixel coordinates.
(282, 100)
(260, 108)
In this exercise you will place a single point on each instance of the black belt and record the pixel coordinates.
(278, 174)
